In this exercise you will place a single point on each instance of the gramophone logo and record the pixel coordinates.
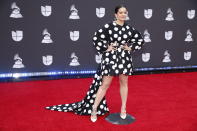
(17, 35)
(47, 60)
(74, 35)
(148, 13)
(166, 57)
(74, 13)
(46, 10)
(47, 37)
(187, 55)
(15, 11)
(98, 58)
(74, 60)
(191, 14)
(100, 12)
(146, 36)
(18, 62)
(145, 57)
(188, 36)
(168, 35)
(169, 16)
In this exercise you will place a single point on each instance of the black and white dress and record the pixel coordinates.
(112, 63)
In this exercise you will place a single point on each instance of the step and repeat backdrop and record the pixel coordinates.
(42, 37)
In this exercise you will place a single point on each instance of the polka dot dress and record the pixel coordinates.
(112, 63)
(118, 61)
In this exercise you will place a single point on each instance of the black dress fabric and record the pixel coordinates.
(113, 63)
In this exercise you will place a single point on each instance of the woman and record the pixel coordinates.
(115, 42)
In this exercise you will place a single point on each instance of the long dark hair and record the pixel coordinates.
(118, 7)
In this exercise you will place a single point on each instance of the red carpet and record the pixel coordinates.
(159, 102)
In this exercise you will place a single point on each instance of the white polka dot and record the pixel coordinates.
(114, 57)
(129, 33)
(102, 36)
(84, 110)
(125, 70)
(120, 32)
(123, 42)
(106, 71)
(136, 35)
(91, 101)
(106, 25)
(99, 112)
(127, 27)
(101, 106)
(87, 105)
(89, 111)
(107, 59)
(115, 28)
(100, 30)
(120, 66)
(123, 29)
(88, 91)
(107, 54)
(125, 36)
(94, 38)
(110, 32)
(129, 65)
(132, 40)
(99, 43)
(116, 71)
(115, 35)
(98, 48)
(119, 38)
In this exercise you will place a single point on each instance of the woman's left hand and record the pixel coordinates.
(125, 47)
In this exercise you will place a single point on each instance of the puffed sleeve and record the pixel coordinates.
(100, 39)
(136, 40)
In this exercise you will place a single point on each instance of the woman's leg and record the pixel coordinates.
(102, 90)
(123, 79)
(99, 95)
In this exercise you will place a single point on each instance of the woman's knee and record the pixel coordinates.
(123, 79)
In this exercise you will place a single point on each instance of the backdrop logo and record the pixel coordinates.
(74, 13)
(188, 36)
(148, 13)
(187, 55)
(147, 36)
(166, 57)
(46, 10)
(100, 12)
(98, 58)
(17, 35)
(191, 14)
(145, 57)
(74, 60)
(18, 62)
(74, 35)
(168, 35)
(47, 37)
(47, 60)
(169, 16)
(15, 11)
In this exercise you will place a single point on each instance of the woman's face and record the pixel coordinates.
(121, 14)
